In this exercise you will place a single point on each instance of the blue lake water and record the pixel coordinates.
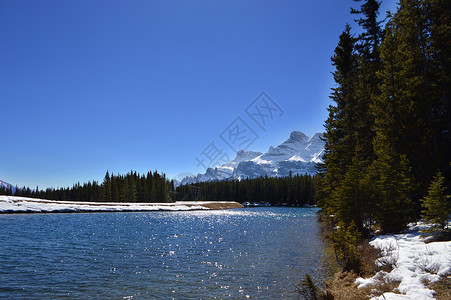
(255, 253)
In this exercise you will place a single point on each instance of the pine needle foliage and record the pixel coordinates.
(389, 126)
(308, 290)
(436, 205)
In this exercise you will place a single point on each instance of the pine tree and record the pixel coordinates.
(350, 197)
(439, 25)
(345, 243)
(107, 187)
(128, 193)
(367, 85)
(349, 128)
(339, 126)
(437, 205)
(308, 289)
(372, 35)
(390, 173)
(412, 89)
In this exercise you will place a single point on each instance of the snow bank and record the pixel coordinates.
(415, 263)
(12, 204)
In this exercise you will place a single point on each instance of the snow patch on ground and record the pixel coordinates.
(12, 204)
(415, 263)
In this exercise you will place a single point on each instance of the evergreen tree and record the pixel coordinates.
(295, 190)
(367, 85)
(340, 130)
(439, 52)
(345, 243)
(411, 115)
(393, 125)
(410, 88)
(350, 198)
(115, 194)
(106, 188)
(437, 206)
(349, 128)
(128, 193)
(372, 34)
(308, 289)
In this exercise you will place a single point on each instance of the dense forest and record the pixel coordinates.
(131, 187)
(295, 190)
(388, 135)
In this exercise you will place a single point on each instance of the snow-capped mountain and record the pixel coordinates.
(298, 154)
(225, 171)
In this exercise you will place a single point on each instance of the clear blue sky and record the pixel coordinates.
(89, 86)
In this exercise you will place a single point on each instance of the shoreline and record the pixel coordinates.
(403, 265)
(24, 205)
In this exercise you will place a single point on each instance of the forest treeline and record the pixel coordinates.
(295, 190)
(132, 187)
(388, 131)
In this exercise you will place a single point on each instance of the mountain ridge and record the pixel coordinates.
(299, 154)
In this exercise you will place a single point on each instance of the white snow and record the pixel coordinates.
(258, 160)
(14, 204)
(298, 154)
(317, 157)
(415, 263)
(296, 157)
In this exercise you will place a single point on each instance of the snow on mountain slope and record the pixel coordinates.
(4, 184)
(222, 172)
(299, 155)
(299, 145)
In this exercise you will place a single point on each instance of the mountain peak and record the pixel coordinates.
(297, 155)
(246, 155)
(298, 136)
(316, 137)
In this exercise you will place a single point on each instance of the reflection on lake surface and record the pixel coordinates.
(256, 253)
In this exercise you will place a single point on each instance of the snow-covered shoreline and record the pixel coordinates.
(12, 204)
(414, 263)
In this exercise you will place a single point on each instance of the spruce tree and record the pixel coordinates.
(107, 187)
(412, 89)
(339, 135)
(349, 128)
(345, 243)
(439, 25)
(390, 173)
(437, 206)
(367, 85)
(128, 193)
(308, 289)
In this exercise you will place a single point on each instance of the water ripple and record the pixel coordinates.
(246, 253)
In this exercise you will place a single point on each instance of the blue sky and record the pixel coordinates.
(90, 86)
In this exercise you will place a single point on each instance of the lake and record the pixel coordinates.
(255, 253)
